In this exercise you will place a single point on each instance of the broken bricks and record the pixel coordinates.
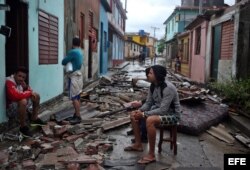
(29, 165)
(48, 131)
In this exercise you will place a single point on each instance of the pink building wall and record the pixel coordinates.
(197, 62)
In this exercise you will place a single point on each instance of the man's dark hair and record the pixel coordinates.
(22, 69)
(76, 41)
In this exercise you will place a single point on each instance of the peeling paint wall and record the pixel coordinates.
(74, 10)
(225, 70)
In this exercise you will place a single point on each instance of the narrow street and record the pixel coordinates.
(94, 142)
(73, 71)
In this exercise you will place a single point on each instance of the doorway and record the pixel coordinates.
(216, 51)
(101, 51)
(17, 44)
(90, 58)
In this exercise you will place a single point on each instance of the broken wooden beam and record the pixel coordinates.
(116, 123)
(114, 111)
(213, 99)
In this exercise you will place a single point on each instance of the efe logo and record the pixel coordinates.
(237, 161)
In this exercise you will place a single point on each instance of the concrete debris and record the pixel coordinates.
(95, 167)
(105, 81)
(29, 164)
(9, 136)
(243, 139)
(48, 131)
(105, 105)
(4, 156)
(142, 83)
(78, 142)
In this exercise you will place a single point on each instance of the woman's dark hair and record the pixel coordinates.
(160, 73)
(22, 69)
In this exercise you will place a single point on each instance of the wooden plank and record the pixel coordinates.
(116, 123)
(221, 133)
(81, 158)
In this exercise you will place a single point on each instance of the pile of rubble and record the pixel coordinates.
(105, 106)
(59, 145)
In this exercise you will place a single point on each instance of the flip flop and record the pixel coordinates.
(144, 160)
(131, 148)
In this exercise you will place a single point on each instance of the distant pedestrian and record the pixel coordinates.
(143, 57)
(133, 58)
(155, 58)
(177, 64)
(75, 56)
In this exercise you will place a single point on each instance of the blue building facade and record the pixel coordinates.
(178, 20)
(176, 24)
(103, 37)
(36, 42)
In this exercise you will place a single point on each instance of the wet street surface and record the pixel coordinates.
(98, 142)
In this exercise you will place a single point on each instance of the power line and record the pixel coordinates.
(155, 28)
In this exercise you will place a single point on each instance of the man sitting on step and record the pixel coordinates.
(21, 97)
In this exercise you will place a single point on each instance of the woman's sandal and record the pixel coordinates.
(131, 148)
(145, 160)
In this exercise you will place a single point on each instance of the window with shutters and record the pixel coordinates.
(91, 21)
(48, 38)
(198, 40)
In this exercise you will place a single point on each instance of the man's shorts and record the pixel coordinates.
(77, 97)
(169, 120)
(12, 110)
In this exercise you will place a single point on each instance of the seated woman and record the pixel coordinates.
(162, 107)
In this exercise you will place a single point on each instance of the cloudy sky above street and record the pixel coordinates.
(145, 14)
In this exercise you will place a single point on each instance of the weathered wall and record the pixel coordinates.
(243, 57)
(224, 70)
(198, 60)
(74, 9)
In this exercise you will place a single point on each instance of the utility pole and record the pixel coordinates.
(200, 6)
(126, 4)
(154, 28)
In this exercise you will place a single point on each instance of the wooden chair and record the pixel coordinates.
(172, 137)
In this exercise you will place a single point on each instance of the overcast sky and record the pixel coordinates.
(145, 14)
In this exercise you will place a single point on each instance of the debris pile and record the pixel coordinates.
(105, 105)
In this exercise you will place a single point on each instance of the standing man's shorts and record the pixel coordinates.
(75, 85)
